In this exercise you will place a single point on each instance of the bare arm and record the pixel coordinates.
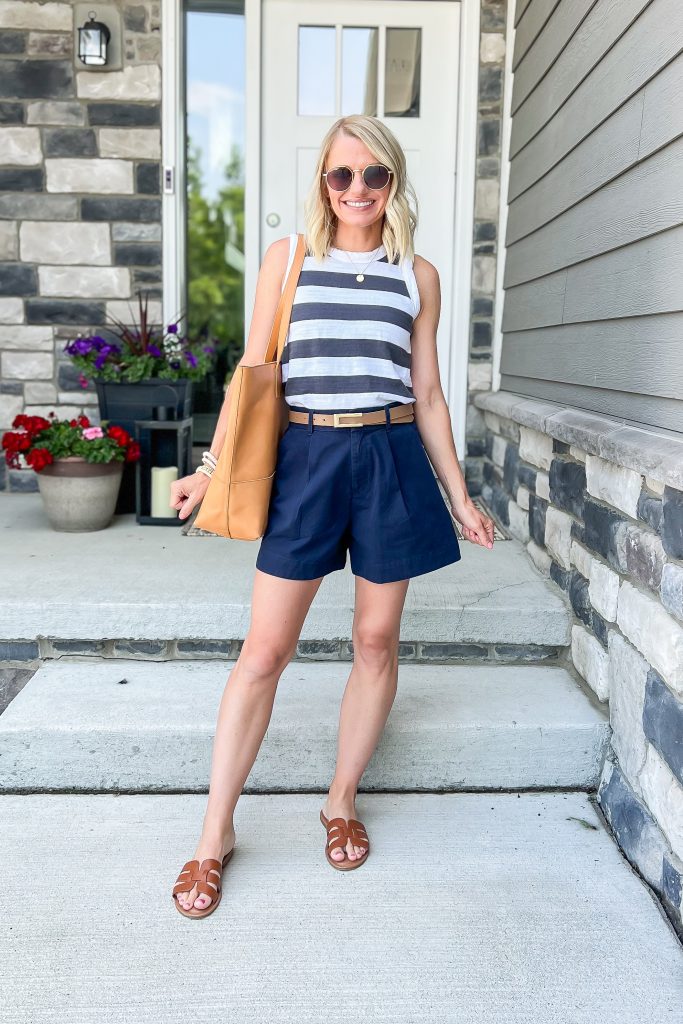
(431, 410)
(187, 492)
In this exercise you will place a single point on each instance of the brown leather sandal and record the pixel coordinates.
(339, 831)
(194, 873)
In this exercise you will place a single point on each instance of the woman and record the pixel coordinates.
(362, 340)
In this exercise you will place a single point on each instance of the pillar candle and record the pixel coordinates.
(162, 478)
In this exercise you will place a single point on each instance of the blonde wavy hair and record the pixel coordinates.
(399, 220)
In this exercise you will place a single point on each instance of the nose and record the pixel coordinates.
(357, 191)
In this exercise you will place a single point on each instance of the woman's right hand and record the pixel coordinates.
(188, 492)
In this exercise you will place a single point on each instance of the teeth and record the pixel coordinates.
(358, 205)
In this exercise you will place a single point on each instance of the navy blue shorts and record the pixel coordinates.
(370, 490)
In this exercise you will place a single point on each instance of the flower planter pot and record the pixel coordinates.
(124, 403)
(79, 496)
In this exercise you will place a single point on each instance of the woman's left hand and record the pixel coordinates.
(475, 526)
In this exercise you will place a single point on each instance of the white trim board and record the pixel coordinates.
(172, 160)
(463, 229)
(506, 128)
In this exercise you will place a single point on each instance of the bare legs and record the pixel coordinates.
(369, 694)
(279, 609)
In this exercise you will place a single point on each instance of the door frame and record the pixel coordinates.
(454, 376)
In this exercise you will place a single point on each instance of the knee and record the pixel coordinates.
(262, 660)
(375, 646)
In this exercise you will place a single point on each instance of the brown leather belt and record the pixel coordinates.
(397, 414)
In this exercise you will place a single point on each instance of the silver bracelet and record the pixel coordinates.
(205, 470)
(209, 458)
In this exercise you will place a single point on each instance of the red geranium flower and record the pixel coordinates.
(16, 442)
(32, 424)
(121, 436)
(39, 458)
(133, 452)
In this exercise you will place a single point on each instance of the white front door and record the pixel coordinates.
(396, 61)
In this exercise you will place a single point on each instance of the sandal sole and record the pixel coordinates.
(346, 864)
(214, 903)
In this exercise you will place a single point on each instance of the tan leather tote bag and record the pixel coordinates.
(236, 501)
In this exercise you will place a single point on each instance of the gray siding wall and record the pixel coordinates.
(593, 307)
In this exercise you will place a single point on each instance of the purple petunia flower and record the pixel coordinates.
(154, 351)
(192, 359)
(172, 328)
(208, 349)
(79, 347)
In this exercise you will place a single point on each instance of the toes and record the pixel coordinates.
(202, 901)
(337, 853)
(188, 900)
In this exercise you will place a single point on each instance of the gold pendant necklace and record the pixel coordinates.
(361, 276)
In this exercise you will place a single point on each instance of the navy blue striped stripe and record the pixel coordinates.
(338, 279)
(352, 384)
(370, 348)
(346, 311)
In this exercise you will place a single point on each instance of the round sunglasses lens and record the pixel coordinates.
(339, 178)
(376, 176)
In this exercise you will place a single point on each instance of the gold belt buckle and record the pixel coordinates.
(337, 415)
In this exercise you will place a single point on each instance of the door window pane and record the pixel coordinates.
(402, 72)
(317, 60)
(215, 142)
(359, 71)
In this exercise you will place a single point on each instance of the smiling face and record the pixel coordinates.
(358, 227)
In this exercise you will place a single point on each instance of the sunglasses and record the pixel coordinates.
(375, 176)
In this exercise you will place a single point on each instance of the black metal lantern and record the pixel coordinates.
(165, 446)
(93, 39)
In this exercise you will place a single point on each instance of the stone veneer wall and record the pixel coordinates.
(599, 506)
(80, 207)
(485, 241)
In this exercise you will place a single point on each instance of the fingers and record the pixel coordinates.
(189, 504)
(186, 490)
(178, 494)
(195, 495)
(483, 535)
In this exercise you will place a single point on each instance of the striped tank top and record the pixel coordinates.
(348, 343)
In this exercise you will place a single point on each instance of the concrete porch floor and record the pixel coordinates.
(473, 908)
(154, 582)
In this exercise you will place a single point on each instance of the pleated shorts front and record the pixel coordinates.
(369, 491)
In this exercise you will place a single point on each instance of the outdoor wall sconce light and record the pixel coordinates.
(93, 39)
(165, 456)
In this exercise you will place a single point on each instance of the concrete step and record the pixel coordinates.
(472, 908)
(152, 583)
(136, 726)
